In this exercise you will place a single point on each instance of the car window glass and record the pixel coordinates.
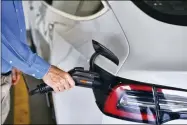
(172, 7)
(77, 7)
(168, 11)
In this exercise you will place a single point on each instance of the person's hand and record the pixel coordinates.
(58, 79)
(15, 76)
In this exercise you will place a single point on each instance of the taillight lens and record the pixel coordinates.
(172, 105)
(145, 104)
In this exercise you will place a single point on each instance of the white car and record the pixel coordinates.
(145, 75)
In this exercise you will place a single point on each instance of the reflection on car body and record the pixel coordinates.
(149, 39)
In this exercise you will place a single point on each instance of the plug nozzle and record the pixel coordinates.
(35, 91)
(42, 88)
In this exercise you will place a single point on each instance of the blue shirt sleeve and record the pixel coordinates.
(19, 55)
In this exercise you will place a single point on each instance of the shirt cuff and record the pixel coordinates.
(41, 67)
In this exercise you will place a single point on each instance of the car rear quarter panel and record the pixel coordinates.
(157, 51)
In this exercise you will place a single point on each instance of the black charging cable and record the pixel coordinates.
(83, 78)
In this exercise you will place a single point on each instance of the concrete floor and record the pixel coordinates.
(10, 117)
(40, 113)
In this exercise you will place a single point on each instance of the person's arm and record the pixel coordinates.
(20, 56)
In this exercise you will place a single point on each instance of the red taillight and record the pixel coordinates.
(123, 101)
(146, 104)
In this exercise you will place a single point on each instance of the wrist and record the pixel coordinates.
(47, 72)
(41, 67)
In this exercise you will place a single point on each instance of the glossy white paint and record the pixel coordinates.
(26, 9)
(106, 30)
(110, 120)
(149, 51)
(66, 54)
(157, 50)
